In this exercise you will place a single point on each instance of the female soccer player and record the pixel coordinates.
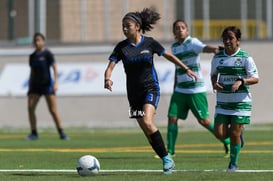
(41, 83)
(188, 95)
(136, 53)
(232, 72)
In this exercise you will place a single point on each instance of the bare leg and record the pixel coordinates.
(52, 107)
(146, 123)
(151, 131)
(33, 100)
(221, 130)
(204, 122)
(235, 132)
(153, 135)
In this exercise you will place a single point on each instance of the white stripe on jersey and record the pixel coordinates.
(238, 97)
(193, 47)
(233, 112)
(238, 65)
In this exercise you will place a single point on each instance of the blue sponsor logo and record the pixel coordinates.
(73, 76)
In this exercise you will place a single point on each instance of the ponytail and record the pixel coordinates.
(146, 18)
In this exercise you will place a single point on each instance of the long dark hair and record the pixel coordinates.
(146, 18)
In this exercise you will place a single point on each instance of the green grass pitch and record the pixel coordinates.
(124, 154)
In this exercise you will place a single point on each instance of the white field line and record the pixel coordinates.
(125, 171)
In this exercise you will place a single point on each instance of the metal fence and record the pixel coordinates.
(207, 18)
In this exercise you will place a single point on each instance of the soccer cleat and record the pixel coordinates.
(242, 139)
(64, 137)
(168, 165)
(232, 167)
(32, 137)
(226, 147)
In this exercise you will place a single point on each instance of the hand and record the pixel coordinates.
(192, 74)
(217, 86)
(221, 48)
(108, 84)
(55, 86)
(236, 85)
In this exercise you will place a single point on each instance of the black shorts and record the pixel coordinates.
(137, 101)
(41, 90)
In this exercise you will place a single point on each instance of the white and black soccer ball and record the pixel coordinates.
(88, 165)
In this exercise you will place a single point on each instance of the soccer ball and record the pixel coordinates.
(88, 165)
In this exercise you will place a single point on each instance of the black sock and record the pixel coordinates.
(158, 144)
(60, 131)
(34, 132)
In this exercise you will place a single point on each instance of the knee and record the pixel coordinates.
(150, 127)
(219, 135)
(204, 122)
(234, 133)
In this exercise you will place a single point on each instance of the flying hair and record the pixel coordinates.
(146, 18)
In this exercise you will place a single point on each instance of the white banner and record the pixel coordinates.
(86, 78)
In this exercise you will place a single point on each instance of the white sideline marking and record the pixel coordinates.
(113, 171)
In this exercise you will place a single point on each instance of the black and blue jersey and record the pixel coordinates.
(141, 76)
(40, 79)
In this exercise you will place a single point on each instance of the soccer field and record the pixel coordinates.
(124, 154)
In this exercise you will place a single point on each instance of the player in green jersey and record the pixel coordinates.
(188, 94)
(232, 72)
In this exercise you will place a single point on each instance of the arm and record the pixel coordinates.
(55, 74)
(245, 81)
(176, 61)
(211, 49)
(251, 81)
(252, 76)
(107, 75)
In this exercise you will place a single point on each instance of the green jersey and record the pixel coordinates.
(228, 69)
(188, 52)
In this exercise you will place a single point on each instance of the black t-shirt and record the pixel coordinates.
(40, 63)
(138, 63)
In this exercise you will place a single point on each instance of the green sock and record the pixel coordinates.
(211, 127)
(226, 141)
(234, 153)
(171, 137)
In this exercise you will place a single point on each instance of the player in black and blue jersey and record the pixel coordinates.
(143, 91)
(41, 83)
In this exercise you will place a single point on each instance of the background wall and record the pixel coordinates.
(112, 111)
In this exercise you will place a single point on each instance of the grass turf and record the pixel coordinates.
(121, 149)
